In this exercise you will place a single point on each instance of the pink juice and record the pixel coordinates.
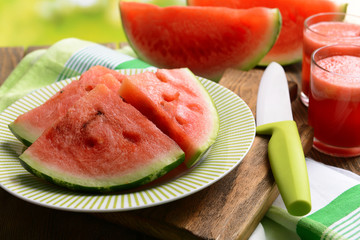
(321, 34)
(334, 104)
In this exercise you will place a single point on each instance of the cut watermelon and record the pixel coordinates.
(288, 47)
(102, 144)
(30, 125)
(205, 40)
(179, 105)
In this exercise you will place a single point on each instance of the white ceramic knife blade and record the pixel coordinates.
(286, 156)
(273, 100)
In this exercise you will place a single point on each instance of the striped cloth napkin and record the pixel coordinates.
(335, 192)
(66, 58)
(335, 214)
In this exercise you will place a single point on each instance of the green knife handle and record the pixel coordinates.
(288, 165)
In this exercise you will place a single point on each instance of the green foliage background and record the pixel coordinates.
(43, 22)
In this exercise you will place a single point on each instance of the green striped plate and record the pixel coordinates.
(236, 135)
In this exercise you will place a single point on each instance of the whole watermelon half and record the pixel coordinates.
(207, 40)
(288, 47)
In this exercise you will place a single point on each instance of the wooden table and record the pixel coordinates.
(230, 218)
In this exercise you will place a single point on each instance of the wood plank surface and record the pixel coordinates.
(229, 209)
(9, 58)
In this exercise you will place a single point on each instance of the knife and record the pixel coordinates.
(286, 156)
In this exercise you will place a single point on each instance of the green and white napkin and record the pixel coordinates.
(335, 192)
(335, 214)
(66, 58)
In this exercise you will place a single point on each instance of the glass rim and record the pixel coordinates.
(307, 26)
(329, 46)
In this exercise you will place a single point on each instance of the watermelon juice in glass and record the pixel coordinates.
(334, 100)
(324, 29)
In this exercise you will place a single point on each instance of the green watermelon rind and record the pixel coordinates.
(275, 34)
(27, 134)
(27, 162)
(21, 133)
(201, 152)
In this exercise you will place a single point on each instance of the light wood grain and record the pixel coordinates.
(9, 58)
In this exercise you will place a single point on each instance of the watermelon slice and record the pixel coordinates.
(288, 47)
(30, 125)
(102, 144)
(179, 105)
(205, 40)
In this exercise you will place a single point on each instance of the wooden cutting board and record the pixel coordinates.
(232, 207)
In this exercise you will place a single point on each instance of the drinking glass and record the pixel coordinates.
(334, 99)
(324, 29)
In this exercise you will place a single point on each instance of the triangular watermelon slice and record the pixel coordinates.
(205, 40)
(288, 47)
(179, 105)
(102, 144)
(30, 125)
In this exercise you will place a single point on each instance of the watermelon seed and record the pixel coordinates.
(89, 88)
(124, 100)
(194, 107)
(98, 113)
(162, 78)
(90, 142)
(170, 97)
(131, 136)
(180, 120)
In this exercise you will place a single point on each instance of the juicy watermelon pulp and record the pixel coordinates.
(100, 143)
(205, 40)
(288, 47)
(30, 125)
(180, 108)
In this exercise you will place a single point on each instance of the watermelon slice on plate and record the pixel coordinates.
(235, 137)
(102, 144)
(288, 47)
(179, 105)
(30, 125)
(205, 40)
(80, 146)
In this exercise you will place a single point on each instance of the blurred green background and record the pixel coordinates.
(43, 22)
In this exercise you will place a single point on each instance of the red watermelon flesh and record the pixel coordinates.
(205, 40)
(178, 104)
(30, 125)
(288, 47)
(102, 144)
